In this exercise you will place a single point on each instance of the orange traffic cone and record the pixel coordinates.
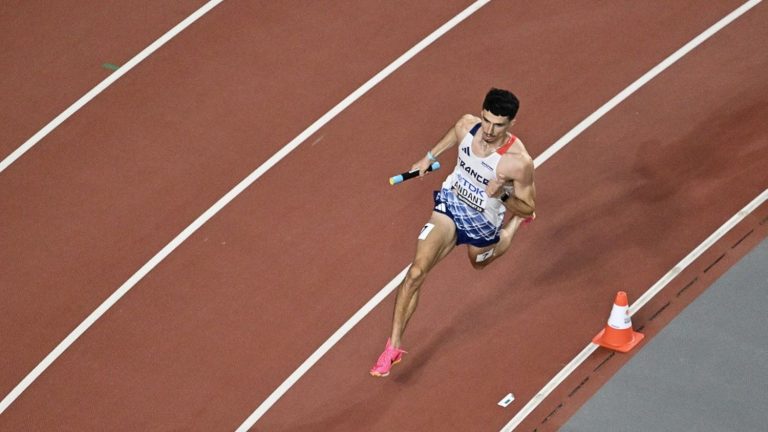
(618, 334)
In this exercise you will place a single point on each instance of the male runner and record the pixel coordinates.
(493, 173)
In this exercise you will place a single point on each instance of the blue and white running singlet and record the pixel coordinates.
(477, 216)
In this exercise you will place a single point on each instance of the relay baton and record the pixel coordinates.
(411, 174)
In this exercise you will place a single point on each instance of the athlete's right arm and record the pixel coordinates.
(450, 139)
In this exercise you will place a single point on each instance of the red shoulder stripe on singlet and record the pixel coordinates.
(503, 149)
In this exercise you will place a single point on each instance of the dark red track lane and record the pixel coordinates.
(94, 201)
(52, 53)
(209, 334)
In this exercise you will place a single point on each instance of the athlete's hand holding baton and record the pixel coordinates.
(425, 165)
(413, 173)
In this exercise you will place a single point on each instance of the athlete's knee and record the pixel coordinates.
(416, 274)
(505, 235)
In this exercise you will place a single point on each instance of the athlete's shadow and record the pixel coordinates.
(481, 313)
(361, 415)
(412, 369)
(663, 180)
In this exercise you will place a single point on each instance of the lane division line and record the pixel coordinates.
(636, 306)
(228, 197)
(538, 161)
(382, 294)
(658, 286)
(118, 72)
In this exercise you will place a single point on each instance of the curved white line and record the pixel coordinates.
(227, 198)
(122, 70)
(589, 349)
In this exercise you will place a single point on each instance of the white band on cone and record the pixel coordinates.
(619, 318)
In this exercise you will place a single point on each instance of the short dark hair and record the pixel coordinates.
(501, 103)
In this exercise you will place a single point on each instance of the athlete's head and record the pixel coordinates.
(501, 103)
(499, 111)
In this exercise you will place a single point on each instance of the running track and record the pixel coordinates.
(204, 338)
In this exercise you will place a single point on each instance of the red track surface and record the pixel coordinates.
(52, 53)
(203, 339)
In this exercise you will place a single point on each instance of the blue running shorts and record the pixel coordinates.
(471, 225)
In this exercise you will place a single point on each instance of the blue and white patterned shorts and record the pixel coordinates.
(472, 227)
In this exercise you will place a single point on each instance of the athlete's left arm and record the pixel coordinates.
(517, 168)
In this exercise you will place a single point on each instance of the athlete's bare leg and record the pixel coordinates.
(429, 251)
(481, 257)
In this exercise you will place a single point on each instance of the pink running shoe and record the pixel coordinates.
(389, 357)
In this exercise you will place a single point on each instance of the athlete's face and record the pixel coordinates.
(494, 127)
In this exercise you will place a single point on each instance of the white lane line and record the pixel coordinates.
(589, 349)
(320, 352)
(223, 201)
(554, 148)
(648, 295)
(696, 253)
(114, 76)
(677, 55)
(373, 302)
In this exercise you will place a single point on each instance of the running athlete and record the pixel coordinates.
(493, 175)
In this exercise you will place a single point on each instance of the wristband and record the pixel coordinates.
(430, 156)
